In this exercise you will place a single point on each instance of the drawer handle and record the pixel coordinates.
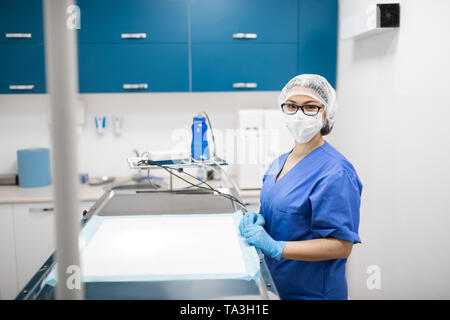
(133, 35)
(18, 35)
(245, 36)
(135, 86)
(21, 87)
(50, 209)
(245, 85)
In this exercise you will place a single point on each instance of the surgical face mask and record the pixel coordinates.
(302, 127)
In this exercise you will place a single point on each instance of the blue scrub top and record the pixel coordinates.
(319, 197)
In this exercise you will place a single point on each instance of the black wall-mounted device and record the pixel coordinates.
(389, 15)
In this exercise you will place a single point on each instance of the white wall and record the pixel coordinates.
(392, 124)
(151, 121)
(394, 96)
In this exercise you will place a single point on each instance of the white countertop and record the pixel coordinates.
(16, 194)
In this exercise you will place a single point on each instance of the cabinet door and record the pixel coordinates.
(34, 236)
(256, 66)
(22, 68)
(8, 276)
(233, 20)
(21, 21)
(34, 233)
(318, 24)
(130, 20)
(133, 68)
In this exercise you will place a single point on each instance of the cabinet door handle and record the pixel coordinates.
(245, 85)
(18, 35)
(251, 85)
(49, 209)
(135, 86)
(133, 35)
(245, 36)
(239, 85)
(21, 87)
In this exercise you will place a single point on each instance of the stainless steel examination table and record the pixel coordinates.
(141, 201)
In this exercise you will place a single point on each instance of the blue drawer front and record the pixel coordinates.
(216, 67)
(318, 25)
(22, 64)
(107, 67)
(21, 16)
(218, 20)
(106, 20)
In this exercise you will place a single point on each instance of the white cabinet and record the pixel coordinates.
(34, 236)
(27, 239)
(263, 137)
(250, 153)
(8, 283)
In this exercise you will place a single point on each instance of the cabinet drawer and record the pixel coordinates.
(234, 67)
(133, 68)
(22, 68)
(21, 21)
(240, 21)
(129, 21)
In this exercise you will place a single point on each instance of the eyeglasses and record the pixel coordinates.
(309, 110)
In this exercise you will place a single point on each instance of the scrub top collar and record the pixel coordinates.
(283, 159)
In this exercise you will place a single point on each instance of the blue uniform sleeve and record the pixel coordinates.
(335, 204)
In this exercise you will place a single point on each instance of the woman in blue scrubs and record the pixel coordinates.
(310, 200)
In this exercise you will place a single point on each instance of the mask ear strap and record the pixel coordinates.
(304, 93)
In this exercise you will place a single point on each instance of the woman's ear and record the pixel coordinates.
(324, 116)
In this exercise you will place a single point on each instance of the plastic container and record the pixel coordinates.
(34, 167)
(199, 145)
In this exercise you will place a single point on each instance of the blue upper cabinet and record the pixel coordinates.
(318, 25)
(22, 68)
(125, 21)
(21, 21)
(244, 21)
(133, 68)
(243, 67)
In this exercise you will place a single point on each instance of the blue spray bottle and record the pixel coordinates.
(199, 146)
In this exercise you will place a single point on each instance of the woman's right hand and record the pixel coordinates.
(250, 218)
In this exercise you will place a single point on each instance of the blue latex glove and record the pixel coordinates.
(250, 217)
(257, 236)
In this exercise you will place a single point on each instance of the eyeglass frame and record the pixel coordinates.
(301, 108)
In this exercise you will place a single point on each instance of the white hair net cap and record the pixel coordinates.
(325, 94)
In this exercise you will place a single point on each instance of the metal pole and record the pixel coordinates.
(62, 85)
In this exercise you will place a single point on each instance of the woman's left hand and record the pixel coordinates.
(258, 237)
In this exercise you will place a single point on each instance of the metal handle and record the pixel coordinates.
(21, 87)
(134, 86)
(245, 36)
(251, 85)
(245, 85)
(49, 209)
(18, 35)
(133, 35)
